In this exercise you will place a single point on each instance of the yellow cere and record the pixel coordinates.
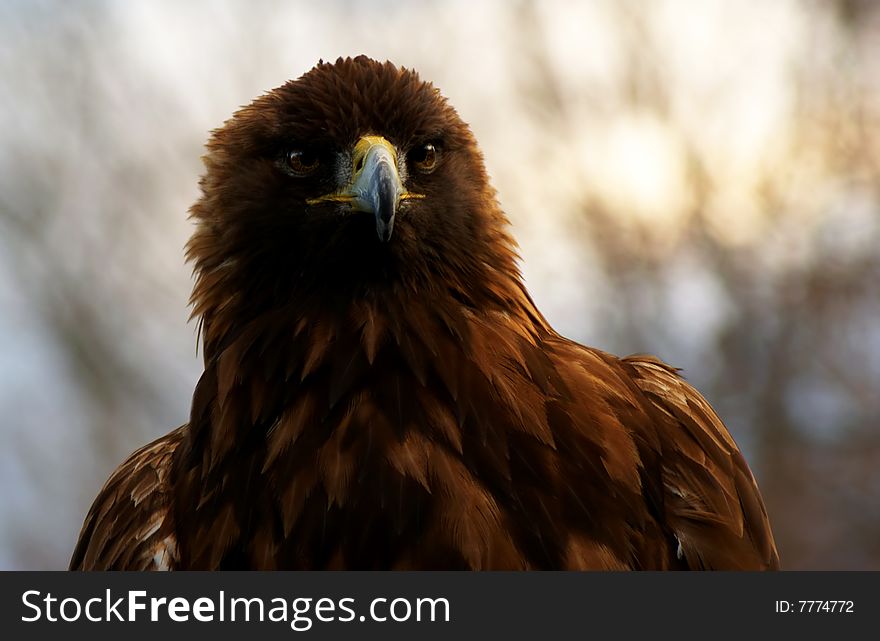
(366, 143)
(360, 150)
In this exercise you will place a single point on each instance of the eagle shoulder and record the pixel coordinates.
(129, 526)
(710, 498)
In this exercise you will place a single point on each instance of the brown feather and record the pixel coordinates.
(130, 525)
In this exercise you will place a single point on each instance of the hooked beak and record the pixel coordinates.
(375, 185)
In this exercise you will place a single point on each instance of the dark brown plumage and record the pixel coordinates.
(380, 390)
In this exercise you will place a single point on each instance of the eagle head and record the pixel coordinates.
(358, 178)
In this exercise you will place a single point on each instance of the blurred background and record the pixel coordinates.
(699, 180)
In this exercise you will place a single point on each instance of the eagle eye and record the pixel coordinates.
(425, 157)
(301, 162)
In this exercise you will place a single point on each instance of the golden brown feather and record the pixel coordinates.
(403, 404)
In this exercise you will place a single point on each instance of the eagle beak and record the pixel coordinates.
(375, 186)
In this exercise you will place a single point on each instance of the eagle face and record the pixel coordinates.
(353, 173)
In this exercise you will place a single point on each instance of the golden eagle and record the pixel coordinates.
(380, 391)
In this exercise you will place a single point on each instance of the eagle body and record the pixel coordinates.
(380, 391)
